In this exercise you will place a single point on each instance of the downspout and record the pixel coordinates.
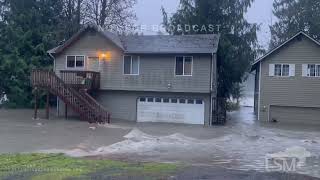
(211, 88)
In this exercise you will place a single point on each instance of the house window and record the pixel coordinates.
(75, 62)
(314, 70)
(318, 70)
(184, 66)
(285, 69)
(277, 70)
(131, 65)
(282, 70)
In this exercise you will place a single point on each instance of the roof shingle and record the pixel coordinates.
(207, 43)
(157, 44)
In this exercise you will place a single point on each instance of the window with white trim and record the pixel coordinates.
(75, 62)
(313, 70)
(184, 66)
(131, 65)
(282, 70)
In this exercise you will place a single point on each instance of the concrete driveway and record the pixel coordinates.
(243, 144)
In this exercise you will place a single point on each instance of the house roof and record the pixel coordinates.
(206, 43)
(109, 35)
(301, 33)
(156, 44)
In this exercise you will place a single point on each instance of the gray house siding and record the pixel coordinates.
(156, 71)
(156, 77)
(256, 90)
(307, 115)
(297, 91)
(123, 104)
(89, 45)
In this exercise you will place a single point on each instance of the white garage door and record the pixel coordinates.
(170, 110)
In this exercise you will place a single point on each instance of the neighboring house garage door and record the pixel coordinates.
(172, 110)
(298, 115)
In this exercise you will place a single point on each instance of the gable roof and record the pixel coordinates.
(301, 33)
(109, 35)
(154, 44)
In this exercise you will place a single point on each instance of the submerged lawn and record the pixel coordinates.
(58, 166)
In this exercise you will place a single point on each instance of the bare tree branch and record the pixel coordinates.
(115, 15)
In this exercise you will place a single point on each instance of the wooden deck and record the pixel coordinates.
(72, 89)
(89, 80)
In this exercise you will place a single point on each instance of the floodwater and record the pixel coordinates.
(242, 144)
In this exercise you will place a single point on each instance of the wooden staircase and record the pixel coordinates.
(79, 100)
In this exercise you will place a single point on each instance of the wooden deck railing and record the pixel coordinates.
(83, 104)
(98, 107)
(81, 79)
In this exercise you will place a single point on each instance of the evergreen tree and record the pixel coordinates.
(28, 29)
(294, 16)
(238, 42)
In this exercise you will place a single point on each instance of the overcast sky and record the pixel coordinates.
(149, 14)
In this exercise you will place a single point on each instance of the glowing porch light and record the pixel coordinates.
(105, 56)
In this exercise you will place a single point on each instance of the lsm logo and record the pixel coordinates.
(288, 160)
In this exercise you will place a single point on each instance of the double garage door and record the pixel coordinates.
(295, 115)
(170, 110)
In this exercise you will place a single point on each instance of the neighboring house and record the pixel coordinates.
(143, 78)
(288, 82)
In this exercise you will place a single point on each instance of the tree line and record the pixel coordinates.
(239, 45)
(28, 28)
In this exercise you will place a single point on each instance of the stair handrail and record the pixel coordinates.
(94, 102)
(49, 82)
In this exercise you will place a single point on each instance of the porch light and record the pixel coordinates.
(105, 56)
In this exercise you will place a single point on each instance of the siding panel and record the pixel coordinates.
(290, 91)
(296, 115)
(156, 71)
(123, 104)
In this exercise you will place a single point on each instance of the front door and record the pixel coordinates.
(93, 64)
